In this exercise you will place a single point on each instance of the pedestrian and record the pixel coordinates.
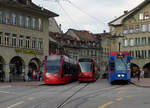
(1, 74)
(142, 74)
(29, 75)
(138, 74)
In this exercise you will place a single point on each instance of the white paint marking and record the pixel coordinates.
(2, 87)
(4, 92)
(14, 105)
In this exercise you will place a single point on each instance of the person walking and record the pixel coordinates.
(1, 75)
(138, 74)
(142, 74)
(29, 75)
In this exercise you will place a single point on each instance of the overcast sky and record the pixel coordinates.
(91, 15)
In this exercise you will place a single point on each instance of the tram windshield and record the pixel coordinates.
(86, 66)
(121, 64)
(53, 66)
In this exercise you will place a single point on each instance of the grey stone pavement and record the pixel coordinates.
(31, 83)
(143, 82)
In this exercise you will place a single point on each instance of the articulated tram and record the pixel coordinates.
(89, 70)
(119, 66)
(60, 69)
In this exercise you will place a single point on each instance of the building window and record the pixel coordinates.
(125, 30)
(1, 17)
(7, 19)
(21, 20)
(7, 39)
(143, 41)
(132, 53)
(40, 44)
(137, 28)
(146, 15)
(33, 23)
(148, 40)
(33, 43)
(28, 21)
(137, 41)
(143, 54)
(28, 42)
(149, 53)
(21, 41)
(14, 19)
(125, 42)
(131, 42)
(141, 16)
(131, 28)
(39, 24)
(14, 40)
(143, 28)
(0, 38)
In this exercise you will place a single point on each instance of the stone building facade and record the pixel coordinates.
(76, 44)
(133, 29)
(24, 36)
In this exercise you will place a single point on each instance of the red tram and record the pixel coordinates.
(89, 70)
(60, 69)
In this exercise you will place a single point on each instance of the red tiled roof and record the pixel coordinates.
(84, 35)
(59, 36)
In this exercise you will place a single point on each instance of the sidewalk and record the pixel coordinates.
(31, 83)
(142, 83)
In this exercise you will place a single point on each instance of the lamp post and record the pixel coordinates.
(119, 45)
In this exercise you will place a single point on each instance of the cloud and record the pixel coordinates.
(92, 15)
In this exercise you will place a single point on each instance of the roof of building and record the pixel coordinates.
(60, 36)
(84, 35)
(22, 4)
(119, 20)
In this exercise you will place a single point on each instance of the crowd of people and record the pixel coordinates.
(34, 75)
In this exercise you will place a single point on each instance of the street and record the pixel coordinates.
(74, 95)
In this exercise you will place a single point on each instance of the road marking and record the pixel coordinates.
(14, 105)
(2, 87)
(106, 104)
(119, 99)
(4, 92)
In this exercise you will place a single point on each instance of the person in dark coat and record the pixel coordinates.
(138, 74)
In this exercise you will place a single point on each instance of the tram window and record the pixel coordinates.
(112, 65)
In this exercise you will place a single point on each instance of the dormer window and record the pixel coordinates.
(28, 2)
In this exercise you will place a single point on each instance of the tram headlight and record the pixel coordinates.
(47, 75)
(122, 75)
(118, 75)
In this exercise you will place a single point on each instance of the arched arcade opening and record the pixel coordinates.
(146, 69)
(134, 67)
(34, 66)
(17, 66)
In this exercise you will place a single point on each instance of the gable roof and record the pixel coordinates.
(119, 20)
(84, 35)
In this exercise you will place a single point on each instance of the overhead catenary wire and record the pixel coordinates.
(75, 23)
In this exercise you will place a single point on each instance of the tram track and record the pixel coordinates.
(66, 101)
(87, 96)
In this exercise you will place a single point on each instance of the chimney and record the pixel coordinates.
(104, 31)
(126, 11)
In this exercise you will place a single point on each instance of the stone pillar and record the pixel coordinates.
(7, 72)
(26, 72)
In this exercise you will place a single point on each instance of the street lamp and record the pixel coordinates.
(119, 45)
